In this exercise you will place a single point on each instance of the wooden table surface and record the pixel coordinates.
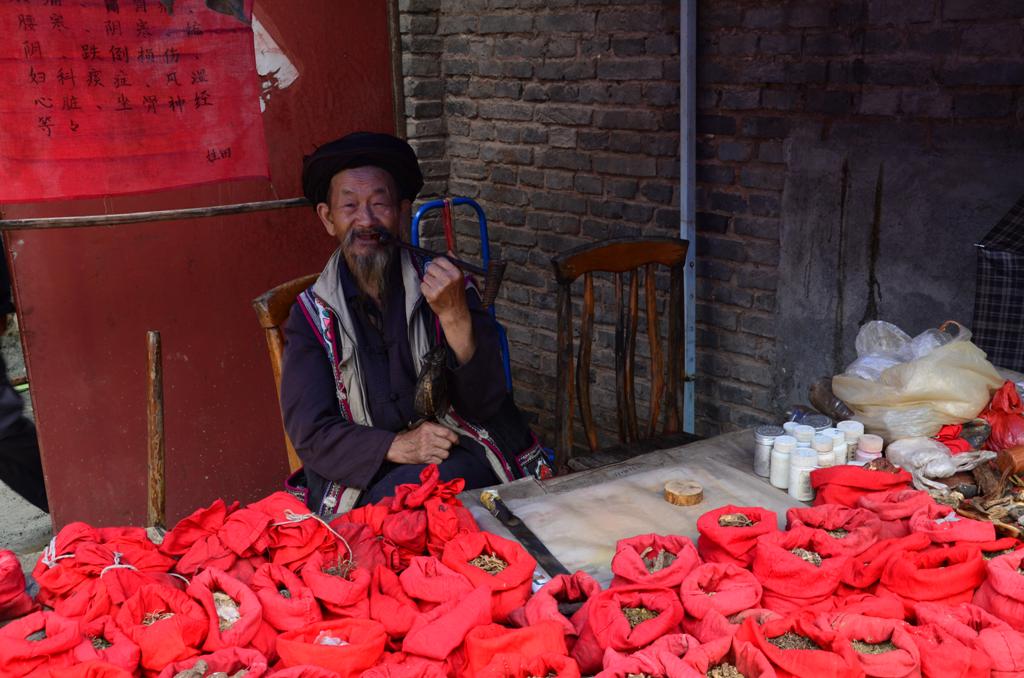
(581, 516)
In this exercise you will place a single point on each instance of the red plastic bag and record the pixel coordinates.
(944, 526)
(430, 582)
(845, 484)
(517, 665)
(719, 543)
(390, 605)
(229, 660)
(105, 642)
(1002, 592)
(722, 587)
(563, 591)
(791, 582)
(943, 656)
(232, 623)
(947, 576)
(165, 623)
(437, 633)
(346, 646)
(14, 602)
(639, 561)
(835, 660)
(484, 642)
(344, 592)
(979, 630)
(852, 530)
(902, 662)
(747, 659)
(511, 586)
(1005, 413)
(608, 626)
(39, 640)
(895, 508)
(285, 613)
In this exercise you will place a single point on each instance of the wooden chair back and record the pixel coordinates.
(272, 308)
(623, 258)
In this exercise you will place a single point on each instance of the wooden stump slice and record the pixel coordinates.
(683, 492)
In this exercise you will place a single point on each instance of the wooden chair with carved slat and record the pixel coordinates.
(623, 258)
(272, 308)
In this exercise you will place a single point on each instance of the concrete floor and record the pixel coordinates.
(24, 529)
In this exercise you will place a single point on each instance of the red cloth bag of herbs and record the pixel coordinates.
(865, 569)
(390, 605)
(742, 656)
(883, 647)
(499, 564)
(229, 661)
(484, 642)
(287, 603)
(446, 516)
(342, 589)
(234, 612)
(195, 543)
(345, 646)
(1002, 592)
(798, 569)
(653, 560)
(894, 508)
(57, 571)
(866, 605)
(104, 641)
(999, 547)
(303, 671)
(943, 656)
(36, 642)
(980, 630)
(943, 525)
(14, 602)
(947, 576)
(430, 583)
(293, 533)
(402, 665)
(846, 484)
(722, 587)
(565, 599)
(625, 619)
(715, 625)
(663, 657)
(797, 648)
(728, 534)
(437, 633)
(165, 623)
(517, 665)
(852, 530)
(90, 669)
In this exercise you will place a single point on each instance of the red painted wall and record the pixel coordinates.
(87, 296)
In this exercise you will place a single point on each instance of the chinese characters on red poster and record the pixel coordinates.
(108, 97)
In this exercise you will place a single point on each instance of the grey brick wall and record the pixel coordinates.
(561, 118)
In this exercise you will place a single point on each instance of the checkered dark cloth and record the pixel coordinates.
(999, 299)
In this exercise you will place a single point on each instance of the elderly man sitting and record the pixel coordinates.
(356, 341)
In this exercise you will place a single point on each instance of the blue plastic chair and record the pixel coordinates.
(485, 253)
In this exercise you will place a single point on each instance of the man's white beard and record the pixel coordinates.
(371, 271)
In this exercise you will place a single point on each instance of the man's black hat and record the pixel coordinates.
(359, 149)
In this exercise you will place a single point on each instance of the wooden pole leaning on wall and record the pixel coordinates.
(155, 478)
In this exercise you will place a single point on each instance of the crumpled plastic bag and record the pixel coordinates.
(901, 387)
(927, 459)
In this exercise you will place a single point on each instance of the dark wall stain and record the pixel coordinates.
(874, 289)
(838, 336)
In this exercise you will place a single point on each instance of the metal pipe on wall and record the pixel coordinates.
(687, 189)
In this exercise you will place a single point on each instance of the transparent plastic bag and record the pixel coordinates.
(949, 384)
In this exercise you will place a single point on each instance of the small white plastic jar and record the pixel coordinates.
(779, 472)
(804, 435)
(838, 444)
(790, 428)
(823, 446)
(802, 461)
(852, 430)
(869, 447)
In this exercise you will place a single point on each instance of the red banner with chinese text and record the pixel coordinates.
(108, 97)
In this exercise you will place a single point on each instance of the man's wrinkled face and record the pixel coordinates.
(360, 201)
